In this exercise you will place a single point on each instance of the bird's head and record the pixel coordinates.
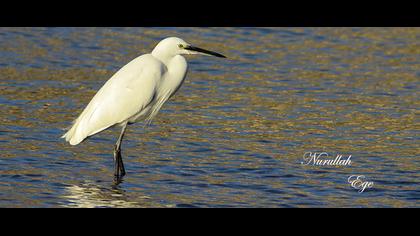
(173, 46)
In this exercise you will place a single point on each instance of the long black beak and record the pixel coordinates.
(196, 49)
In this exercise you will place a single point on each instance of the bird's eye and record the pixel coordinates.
(180, 46)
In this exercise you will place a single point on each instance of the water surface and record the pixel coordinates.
(235, 133)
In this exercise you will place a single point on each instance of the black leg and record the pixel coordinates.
(117, 156)
(119, 169)
(121, 166)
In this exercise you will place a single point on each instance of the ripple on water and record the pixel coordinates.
(235, 133)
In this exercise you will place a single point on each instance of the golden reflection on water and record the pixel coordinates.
(280, 94)
(89, 195)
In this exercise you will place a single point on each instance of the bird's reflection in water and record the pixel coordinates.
(92, 195)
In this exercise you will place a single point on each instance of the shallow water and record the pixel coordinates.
(236, 132)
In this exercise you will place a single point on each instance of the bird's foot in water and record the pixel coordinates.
(119, 170)
(118, 179)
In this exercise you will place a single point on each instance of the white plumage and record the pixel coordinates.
(137, 91)
(129, 92)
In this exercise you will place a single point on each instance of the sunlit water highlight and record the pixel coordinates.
(236, 132)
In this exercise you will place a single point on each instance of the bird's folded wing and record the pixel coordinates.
(124, 95)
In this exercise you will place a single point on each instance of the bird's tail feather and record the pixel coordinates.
(75, 135)
(71, 135)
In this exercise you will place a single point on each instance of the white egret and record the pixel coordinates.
(135, 93)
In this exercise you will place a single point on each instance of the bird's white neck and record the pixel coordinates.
(162, 55)
(177, 69)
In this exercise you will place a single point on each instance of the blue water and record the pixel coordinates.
(235, 133)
